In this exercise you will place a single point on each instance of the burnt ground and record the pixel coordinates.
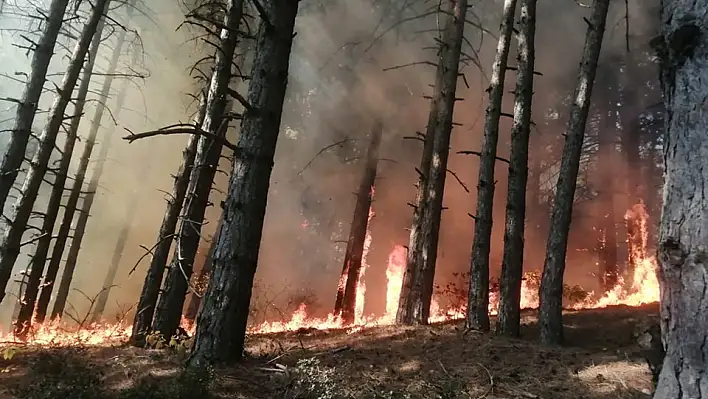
(600, 360)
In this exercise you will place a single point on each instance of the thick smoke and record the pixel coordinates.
(339, 84)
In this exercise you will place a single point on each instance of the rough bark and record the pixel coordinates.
(12, 237)
(513, 258)
(151, 287)
(683, 276)
(221, 325)
(551, 289)
(353, 257)
(478, 297)
(58, 250)
(27, 105)
(39, 259)
(169, 308)
(417, 289)
(195, 301)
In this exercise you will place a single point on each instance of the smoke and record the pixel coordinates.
(338, 85)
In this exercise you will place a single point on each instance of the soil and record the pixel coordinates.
(600, 360)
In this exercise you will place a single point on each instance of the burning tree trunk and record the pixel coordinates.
(57, 251)
(202, 280)
(683, 275)
(171, 302)
(221, 325)
(417, 289)
(151, 287)
(513, 260)
(27, 105)
(11, 241)
(347, 290)
(478, 297)
(39, 259)
(551, 290)
(607, 240)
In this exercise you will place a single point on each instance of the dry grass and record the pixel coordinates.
(441, 361)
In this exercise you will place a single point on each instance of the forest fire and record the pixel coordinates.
(642, 288)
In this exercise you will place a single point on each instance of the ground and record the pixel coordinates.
(601, 360)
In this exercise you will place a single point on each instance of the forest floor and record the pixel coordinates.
(600, 360)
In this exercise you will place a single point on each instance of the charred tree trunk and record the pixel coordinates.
(607, 244)
(57, 251)
(39, 259)
(551, 290)
(513, 258)
(151, 287)
(478, 297)
(417, 289)
(347, 289)
(221, 325)
(27, 105)
(683, 56)
(171, 302)
(630, 139)
(11, 240)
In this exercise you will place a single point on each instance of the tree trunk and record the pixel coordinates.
(195, 301)
(27, 105)
(58, 250)
(348, 282)
(103, 296)
(221, 325)
(11, 240)
(607, 251)
(151, 287)
(683, 61)
(513, 258)
(551, 290)
(171, 302)
(478, 297)
(417, 289)
(39, 259)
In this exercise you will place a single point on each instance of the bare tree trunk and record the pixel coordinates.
(40, 255)
(27, 105)
(551, 290)
(357, 234)
(478, 297)
(151, 287)
(683, 58)
(58, 250)
(11, 240)
(609, 268)
(417, 289)
(221, 325)
(513, 259)
(171, 302)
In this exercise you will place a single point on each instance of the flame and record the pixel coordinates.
(643, 289)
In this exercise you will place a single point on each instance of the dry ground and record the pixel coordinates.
(441, 361)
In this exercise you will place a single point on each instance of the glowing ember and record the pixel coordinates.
(643, 289)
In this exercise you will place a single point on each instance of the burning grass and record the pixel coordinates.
(439, 361)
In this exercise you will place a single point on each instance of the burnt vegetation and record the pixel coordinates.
(443, 173)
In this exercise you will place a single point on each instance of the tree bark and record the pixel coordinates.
(58, 250)
(27, 105)
(347, 292)
(478, 297)
(39, 259)
(221, 325)
(151, 287)
(683, 61)
(195, 301)
(551, 289)
(513, 259)
(417, 289)
(171, 302)
(11, 240)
